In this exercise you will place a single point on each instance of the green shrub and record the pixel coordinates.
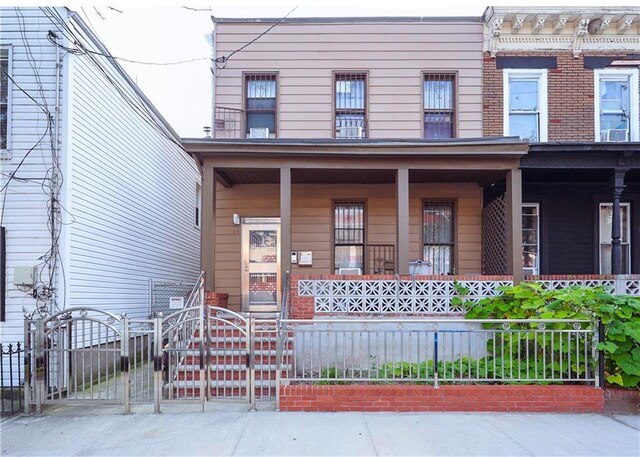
(620, 315)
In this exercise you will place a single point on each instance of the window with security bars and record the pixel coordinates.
(260, 105)
(348, 237)
(350, 105)
(4, 97)
(439, 106)
(438, 236)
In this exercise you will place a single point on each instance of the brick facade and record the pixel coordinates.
(570, 96)
(530, 398)
(216, 299)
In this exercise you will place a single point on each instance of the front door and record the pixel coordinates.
(261, 265)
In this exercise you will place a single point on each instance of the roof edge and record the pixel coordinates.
(346, 19)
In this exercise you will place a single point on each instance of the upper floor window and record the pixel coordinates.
(525, 104)
(5, 95)
(350, 105)
(260, 105)
(616, 104)
(439, 106)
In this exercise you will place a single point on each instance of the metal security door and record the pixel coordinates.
(260, 265)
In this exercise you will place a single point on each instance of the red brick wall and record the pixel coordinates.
(508, 398)
(570, 96)
(621, 401)
(216, 299)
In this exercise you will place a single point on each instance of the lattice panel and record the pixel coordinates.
(392, 297)
(557, 284)
(494, 238)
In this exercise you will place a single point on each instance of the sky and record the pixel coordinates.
(170, 31)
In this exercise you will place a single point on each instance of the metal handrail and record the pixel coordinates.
(440, 320)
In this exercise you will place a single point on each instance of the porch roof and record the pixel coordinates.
(498, 147)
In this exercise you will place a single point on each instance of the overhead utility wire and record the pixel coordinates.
(225, 59)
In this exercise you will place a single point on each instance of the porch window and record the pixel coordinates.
(350, 105)
(439, 106)
(438, 236)
(260, 105)
(606, 219)
(616, 105)
(5, 96)
(348, 236)
(525, 104)
(531, 238)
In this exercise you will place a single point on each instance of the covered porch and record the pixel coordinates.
(363, 208)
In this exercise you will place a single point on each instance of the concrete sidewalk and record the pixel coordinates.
(232, 430)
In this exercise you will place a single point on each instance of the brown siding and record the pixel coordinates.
(311, 219)
(395, 55)
(570, 97)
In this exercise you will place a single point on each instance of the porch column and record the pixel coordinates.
(285, 220)
(402, 220)
(208, 226)
(617, 186)
(513, 221)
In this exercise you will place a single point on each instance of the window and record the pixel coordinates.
(438, 236)
(5, 98)
(531, 238)
(525, 104)
(616, 104)
(198, 204)
(350, 106)
(260, 105)
(348, 235)
(606, 218)
(439, 106)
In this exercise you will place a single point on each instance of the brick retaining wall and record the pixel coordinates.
(622, 401)
(398, 398)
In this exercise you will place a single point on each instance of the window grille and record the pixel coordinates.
(439, 106)
(438, 236)
(348, 235)
(350, 106)
(260, 106)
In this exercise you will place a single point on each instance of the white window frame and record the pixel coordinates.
(629, 233)
(537, 265)
(541, 76)
(634, 122)
(5, 153)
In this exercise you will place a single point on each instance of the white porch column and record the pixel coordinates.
(285, 221)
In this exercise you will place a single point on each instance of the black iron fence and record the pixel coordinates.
(12, 378)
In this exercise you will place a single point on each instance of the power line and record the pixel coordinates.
(225, 59)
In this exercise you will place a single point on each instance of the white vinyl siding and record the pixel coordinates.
(133, 197)
(25, 207)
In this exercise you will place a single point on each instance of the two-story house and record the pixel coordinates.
(566, 79)
(353, 146)
(97, 195)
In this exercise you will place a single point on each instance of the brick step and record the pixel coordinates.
(224, 359)
(226, 393)
(232, 367)
(225, 375)
(182, 384)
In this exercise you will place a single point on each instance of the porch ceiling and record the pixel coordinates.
(232, 176)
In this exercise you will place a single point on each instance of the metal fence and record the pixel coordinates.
(161, 292)
(11, 378)
(437, 350)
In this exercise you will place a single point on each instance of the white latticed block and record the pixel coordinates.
(306, 288)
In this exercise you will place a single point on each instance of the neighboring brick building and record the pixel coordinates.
(567, 81)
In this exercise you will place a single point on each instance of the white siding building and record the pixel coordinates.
(97, 193)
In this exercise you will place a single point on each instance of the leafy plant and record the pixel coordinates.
(619, 314)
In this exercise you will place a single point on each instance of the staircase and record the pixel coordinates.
(226, 367)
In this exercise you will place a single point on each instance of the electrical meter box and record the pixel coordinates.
(24, 276)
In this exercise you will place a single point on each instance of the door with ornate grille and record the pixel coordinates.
(260, 265)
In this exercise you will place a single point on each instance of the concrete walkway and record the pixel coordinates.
(232, 430)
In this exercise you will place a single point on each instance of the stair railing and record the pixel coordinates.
(281, 335)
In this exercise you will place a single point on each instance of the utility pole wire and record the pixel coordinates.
(225, 59)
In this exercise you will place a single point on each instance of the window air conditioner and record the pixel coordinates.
(350, 132)
(616, 135)
(259, 133)
(349, 271)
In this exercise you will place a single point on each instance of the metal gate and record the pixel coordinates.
(73, 357)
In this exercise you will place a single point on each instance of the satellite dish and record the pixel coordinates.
(594, 26)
